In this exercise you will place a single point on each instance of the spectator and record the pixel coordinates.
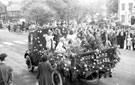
(121, 39)
(114, 39)
(108, 44)
(56, 37)
(133, 41)
(44, 72)
(129, 42)
(9, 28)
(6, 72)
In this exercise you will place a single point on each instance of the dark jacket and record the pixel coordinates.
(44, 73)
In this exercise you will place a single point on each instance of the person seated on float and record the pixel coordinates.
(70, 35)
(76, 42)
(56, 35)
(80, 33)
(60, 47)
(50, 43)
(84, 43)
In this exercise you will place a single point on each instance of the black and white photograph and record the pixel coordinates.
(67, 42)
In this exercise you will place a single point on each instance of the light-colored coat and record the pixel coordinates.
(5, 74)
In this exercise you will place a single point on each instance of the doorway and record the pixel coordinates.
(132, 20)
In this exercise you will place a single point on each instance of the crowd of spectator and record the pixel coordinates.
(18, 27)
(106, 35)
(119, 35)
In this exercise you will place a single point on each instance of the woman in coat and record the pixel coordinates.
(44, 72)
(121, 39)
(133, 41)
(6, 72)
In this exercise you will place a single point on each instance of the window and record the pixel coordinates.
(123, 6)
(122, 18)
(132, 20)
(13, 13)
(130, 6)
(9, 13)
(3, 10)
(0, 9)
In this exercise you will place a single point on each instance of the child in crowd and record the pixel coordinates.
(129, 42)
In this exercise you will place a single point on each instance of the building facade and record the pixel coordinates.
(127, 12)
(3, 12)
(14, 12)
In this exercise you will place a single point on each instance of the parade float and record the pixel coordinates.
(76, 63)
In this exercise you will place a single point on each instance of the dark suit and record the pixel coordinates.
(133, 42)
(121, 39)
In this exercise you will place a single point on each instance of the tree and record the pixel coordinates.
(75, 10)
(59, 6)
(62, 10)
(112, 6)
(66, 9)
(39, 12)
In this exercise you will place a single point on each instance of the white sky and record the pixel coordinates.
(6, 1)
(81, 1)
(86, 2)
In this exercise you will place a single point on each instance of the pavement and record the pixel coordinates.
(15, 45)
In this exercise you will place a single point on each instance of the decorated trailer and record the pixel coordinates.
(88, 66)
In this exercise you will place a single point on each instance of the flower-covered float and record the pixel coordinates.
(88, 62)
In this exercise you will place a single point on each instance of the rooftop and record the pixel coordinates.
(1, 4)
(14, 7)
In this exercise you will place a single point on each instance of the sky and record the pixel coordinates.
(81, 1)
(87, 2)
(6, 1)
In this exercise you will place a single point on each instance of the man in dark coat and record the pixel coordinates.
(56, 37)
(103, 37)
(9, 28)
(133, 41)
(6, 75)
(121, 39)
(44, 72)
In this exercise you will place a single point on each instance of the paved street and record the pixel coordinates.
(15, 45)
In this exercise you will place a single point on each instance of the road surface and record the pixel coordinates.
(15, 45)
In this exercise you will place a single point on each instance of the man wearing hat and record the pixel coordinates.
(5, 71)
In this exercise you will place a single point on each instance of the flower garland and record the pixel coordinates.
(74, 67)
(79, 62)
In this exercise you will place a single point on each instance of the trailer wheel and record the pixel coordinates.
(29, 64)
(57, 78)
(93, 79)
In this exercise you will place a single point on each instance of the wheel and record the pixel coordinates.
(57, 78)
(29, 64)
(93, 78)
